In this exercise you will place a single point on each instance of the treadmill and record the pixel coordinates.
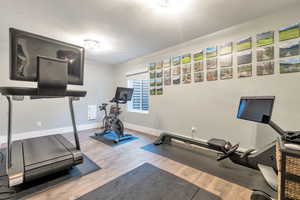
(57, 64)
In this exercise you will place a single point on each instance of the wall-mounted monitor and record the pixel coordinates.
(26, 47)
(257, 109)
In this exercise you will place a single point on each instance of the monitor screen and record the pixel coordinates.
(124, 94)
(26, 47)
(257, 109)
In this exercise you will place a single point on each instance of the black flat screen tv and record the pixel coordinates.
(26, 47)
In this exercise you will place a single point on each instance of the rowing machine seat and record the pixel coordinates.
(219, 144)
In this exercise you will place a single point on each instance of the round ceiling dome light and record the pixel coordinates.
(164, 3)
(93, 45)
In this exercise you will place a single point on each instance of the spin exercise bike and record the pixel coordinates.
(111, 121)
(257, 109)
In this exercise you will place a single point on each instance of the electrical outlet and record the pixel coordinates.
(39, 124)
(194, 129)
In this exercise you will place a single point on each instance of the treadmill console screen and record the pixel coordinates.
(257, 109)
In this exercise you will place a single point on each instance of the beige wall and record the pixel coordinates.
(211, 106)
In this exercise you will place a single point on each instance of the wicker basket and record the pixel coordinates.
(288, 162)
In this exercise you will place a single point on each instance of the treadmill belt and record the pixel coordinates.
(87, 167)
(43, 148)
(205, 161)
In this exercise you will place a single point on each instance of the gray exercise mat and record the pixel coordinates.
(148, 182)
(205, 161)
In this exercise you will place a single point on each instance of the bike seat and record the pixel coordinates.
(104, 104)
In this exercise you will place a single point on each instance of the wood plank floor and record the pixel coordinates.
(118, 160)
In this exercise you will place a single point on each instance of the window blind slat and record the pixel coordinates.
(140, 97)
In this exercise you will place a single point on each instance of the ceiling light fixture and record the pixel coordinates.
(91, 44)
(164, 3)
(169, 7)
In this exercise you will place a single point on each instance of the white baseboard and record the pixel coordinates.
(157, 132)
(147, 130)
(32, 134)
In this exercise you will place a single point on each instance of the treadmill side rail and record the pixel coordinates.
(78, 157)
(16, 171)
(15, 179)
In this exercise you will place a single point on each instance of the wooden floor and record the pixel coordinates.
(118, 160)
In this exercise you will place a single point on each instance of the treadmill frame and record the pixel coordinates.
(16, 179)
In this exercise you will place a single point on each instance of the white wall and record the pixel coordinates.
(212, 106)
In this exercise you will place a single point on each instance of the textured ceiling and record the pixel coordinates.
(132, 27)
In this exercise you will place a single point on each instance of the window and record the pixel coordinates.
(140, 97)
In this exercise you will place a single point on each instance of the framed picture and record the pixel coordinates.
(226, 48)
(225, 61)
(289, 32)
(186, 78)
(226, 73)
(265, 53)
(152, 91)
(245, 71)
(186, 69)
(198, 66)
(176, 60)
(211, 52)
(167, 63)
(151, 66)
(212, 75)
(211, 63)
(266, 38)
(244, 44)
(159, 90)
(152, 82)
(159, 73)
(159, 81)
(290, 65)
(244, 57)
(176, 71)
(152, 74)
(185, 59)
(290, 48)
(167, 72)
(265, 68)
(198, 77)
(176, 79)
(167, 80)
(167, 76)
(198, 56)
